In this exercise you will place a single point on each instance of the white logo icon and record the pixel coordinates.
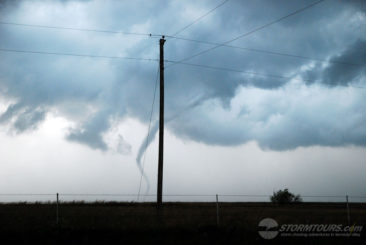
(268, 228)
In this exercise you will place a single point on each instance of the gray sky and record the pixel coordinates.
(74, 124)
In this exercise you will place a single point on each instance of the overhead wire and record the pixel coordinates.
(155, 60)
(76, 55)
(268, 52)
(255, 73)
(174, 36)
(80, 29)
(198, 19)
(188, 108)
(250, 32)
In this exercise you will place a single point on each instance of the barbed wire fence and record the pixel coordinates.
(117, 197)
(221, 203)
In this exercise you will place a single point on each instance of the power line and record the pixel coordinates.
(254, 73)
(181, 38)
(80, 29)
(76, 55)
(199, 18)
(250, 73)
(148, 132)
(169, 61)
(252, 31)
(267, 51)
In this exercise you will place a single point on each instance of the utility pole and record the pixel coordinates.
(161, 126)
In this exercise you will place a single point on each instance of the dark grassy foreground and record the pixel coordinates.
(178, 223)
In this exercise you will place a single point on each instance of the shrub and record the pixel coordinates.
(284, 196)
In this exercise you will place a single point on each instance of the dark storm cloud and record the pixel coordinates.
(90, 132)
(338, 73)
(93, 92)
(348, 67)
(29, 119)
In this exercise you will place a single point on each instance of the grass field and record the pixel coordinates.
(85, 223)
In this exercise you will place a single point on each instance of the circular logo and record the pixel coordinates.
(268, 228)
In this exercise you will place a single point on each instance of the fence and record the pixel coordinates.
(216, 209)
(115, 197)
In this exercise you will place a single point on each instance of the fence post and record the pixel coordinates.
(348, 214)
(217, 211)
(57, 220)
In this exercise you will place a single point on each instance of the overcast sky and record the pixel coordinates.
(293, 118)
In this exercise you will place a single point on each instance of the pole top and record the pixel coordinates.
(162, 40)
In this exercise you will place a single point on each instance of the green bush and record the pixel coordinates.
(284, 196)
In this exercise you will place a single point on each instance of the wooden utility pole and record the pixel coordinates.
(161, 126)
